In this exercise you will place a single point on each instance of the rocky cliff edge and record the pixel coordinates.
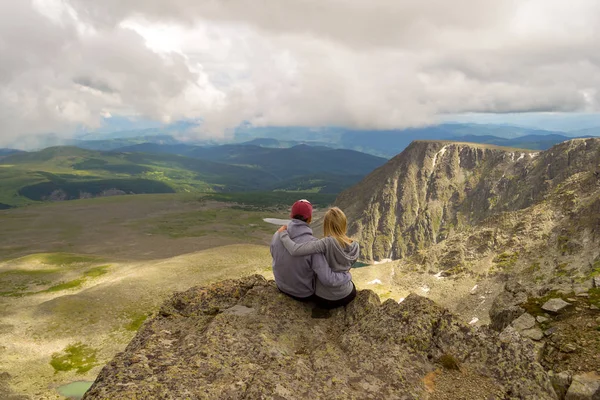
(242, 339)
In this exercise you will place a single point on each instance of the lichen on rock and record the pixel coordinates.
(268, 346)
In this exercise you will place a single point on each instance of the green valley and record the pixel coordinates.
(67, 173)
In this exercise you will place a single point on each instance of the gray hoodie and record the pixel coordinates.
(296, 275)
(339, 260)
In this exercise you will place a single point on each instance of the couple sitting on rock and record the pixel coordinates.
(311, 269)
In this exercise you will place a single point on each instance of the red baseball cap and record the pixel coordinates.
(302, 208)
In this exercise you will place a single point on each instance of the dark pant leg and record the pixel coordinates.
(329, 304)
(302, 299)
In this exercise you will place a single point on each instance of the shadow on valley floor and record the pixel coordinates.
(143, 227)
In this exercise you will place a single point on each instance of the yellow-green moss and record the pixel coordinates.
(65, 286)
(136, 322)
(506, 261)
(96, 271)
(77, 356)
(449, 362)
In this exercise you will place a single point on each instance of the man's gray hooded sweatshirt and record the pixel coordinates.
(296, 275)
(339, 260)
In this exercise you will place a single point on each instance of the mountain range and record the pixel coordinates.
(391, 142)
(62, 173)
(376, 142)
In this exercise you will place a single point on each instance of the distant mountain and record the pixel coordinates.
(7, 152)
(383, 143)
(269, 142)
(284, 163)
(157, 148)
(585, 132)
(263, 142)
(304, 159)
(50, 153)
(112, 144)
(388, 143)
(62, 173)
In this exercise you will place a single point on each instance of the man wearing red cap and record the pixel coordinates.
(296, 276)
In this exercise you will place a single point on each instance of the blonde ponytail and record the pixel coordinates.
(335, 225)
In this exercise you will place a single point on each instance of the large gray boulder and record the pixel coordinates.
(243, 339)
(525, 321)
(561, 382)
(555, 305)
(584, 387)
(506, 307)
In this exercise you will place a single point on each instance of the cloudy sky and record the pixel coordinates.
(69, 64)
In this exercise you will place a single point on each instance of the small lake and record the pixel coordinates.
(276, 221)
(75, 390)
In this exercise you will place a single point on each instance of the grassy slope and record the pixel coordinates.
(76, 170)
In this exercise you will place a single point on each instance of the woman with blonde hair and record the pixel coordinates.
(339, 250)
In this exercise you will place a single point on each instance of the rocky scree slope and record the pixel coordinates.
(433, 190)
(243, 339)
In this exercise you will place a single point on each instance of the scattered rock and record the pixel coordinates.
(584, 387)
(514, 287)
(597, 282)
(584, 294)
(541, 319)
(572, 300)
(538, 350)
(555, 305)
(534, 333)
(366, 350)
(593, 307)
(550, 331)
(583, 287)
(561, 382)
(509, 335)
(239, 310)
(568, 348)
(525, 321)
(506, 306)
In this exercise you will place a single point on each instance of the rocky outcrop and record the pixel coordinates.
(434, 189)
(584, 387)
(243, 339)
(506, 307)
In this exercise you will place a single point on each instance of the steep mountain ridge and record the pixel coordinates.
(434, 189)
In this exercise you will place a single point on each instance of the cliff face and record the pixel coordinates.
(242, 339)
(433, 190)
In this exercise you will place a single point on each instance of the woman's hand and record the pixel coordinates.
(283, 228)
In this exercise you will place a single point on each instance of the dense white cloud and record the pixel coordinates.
(358, 63)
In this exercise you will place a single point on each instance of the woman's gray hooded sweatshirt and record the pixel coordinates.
(338, 258)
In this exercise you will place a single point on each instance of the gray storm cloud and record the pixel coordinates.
(357, 63)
